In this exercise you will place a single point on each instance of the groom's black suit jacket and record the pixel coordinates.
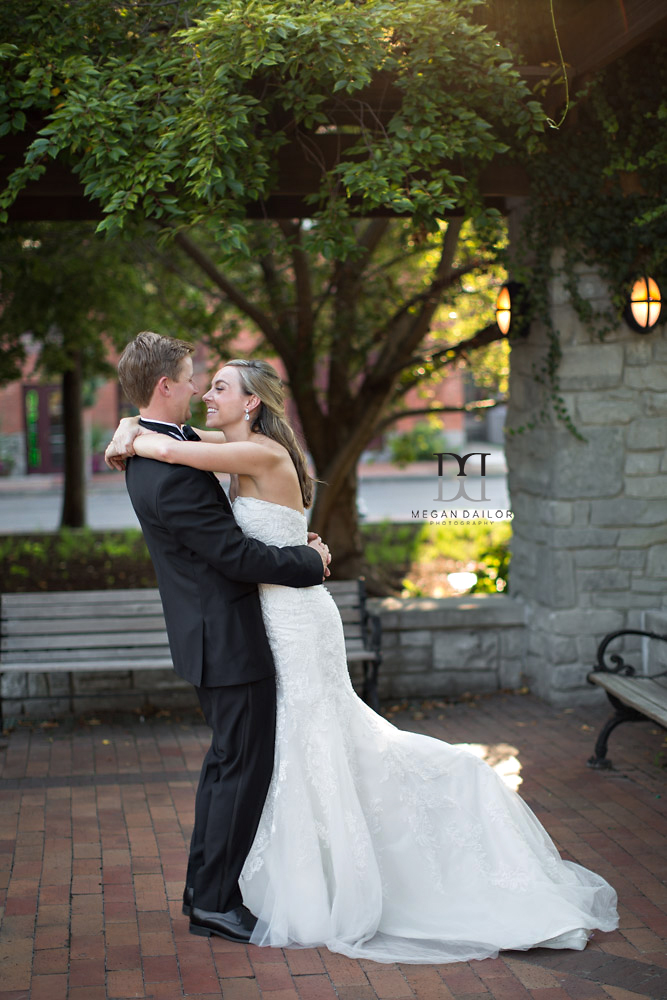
(207, 571)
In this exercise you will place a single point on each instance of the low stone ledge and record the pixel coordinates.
(424, 613)
(450, 646)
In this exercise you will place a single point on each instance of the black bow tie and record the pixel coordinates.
(184, 433)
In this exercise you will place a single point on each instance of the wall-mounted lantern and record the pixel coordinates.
(644, 306)
(511, 316)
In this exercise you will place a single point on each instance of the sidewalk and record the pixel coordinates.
(95, 819)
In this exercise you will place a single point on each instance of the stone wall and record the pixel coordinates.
(589, 548)
(654, 652)
(57, 695)
(451, 645)
(444, 646)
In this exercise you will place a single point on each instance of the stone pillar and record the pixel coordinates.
(589, 548)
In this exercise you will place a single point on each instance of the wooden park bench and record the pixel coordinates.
(635, 697)
(104, 631)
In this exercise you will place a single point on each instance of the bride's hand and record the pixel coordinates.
(315, 542)
(121, 445)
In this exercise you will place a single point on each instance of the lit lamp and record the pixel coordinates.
(644, 306)
(510, 318)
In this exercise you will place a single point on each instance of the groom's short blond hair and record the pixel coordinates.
(145, 360)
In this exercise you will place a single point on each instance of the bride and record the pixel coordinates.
(374, 842)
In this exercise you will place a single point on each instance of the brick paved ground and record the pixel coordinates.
(94, 823)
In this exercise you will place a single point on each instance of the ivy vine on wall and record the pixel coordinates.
(598, 199)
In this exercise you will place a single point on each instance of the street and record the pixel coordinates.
(385, 493)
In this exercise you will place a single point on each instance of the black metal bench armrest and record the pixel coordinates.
(620, 666)
(627, 707)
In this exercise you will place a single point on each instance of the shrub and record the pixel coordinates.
(420, 443)
(398, 557)
(75, 559)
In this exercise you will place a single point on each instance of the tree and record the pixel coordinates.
(354, 335)
(180, 113)
(76, 295)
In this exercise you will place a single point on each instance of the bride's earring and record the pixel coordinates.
(247, 415)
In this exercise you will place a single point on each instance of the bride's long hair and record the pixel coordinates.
(259, 378)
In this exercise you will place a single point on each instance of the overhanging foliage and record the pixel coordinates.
(177, 112)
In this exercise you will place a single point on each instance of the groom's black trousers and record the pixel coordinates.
(234, 780)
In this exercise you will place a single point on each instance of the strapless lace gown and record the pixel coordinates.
(383, 844)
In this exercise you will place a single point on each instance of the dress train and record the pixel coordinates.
(383, 844)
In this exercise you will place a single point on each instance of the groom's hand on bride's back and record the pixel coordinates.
(315, 542)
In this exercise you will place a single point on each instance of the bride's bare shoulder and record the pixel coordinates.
(266, 442)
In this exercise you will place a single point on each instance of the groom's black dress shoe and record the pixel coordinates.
(235, 925)
(188, 896)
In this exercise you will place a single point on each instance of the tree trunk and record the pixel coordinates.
(74, 492)
(341, 531)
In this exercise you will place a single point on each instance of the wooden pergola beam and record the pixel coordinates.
(592, 33)
(602, 31)
(58, 194)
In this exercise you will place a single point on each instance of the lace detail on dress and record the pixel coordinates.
(385, 844)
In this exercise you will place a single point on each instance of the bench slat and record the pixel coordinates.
(102, 640)
(342, 590)
(347, 600)
(646, 695)
(65, 597)
(84, 626)
(362, 655)
(349, 615)
(75, 610)
(43, 634)
(89, 666)
(19, 656)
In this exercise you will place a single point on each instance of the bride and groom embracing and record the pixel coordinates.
(317, 822)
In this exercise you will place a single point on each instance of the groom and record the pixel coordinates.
(207, 572)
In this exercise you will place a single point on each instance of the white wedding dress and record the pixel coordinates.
(384, 844)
